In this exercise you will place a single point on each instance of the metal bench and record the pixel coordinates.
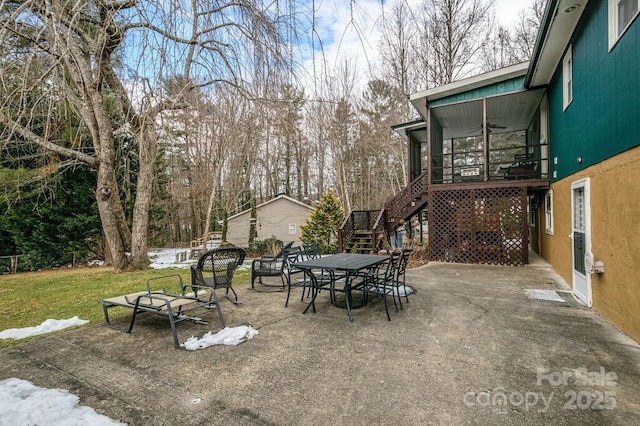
(523, 167)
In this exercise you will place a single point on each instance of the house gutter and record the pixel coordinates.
(560, 20)
(541, 40)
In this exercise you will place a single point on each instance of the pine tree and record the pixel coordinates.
(323, 223)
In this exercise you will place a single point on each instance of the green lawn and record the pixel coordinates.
(27, 299)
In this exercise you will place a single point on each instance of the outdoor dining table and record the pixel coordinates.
(339, 266)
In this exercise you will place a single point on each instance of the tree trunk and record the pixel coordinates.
(148, 150)
(112, 215)
(108, 207)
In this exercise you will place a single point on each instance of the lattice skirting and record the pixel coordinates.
(487, 225)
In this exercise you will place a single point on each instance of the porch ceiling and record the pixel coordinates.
(513, 111)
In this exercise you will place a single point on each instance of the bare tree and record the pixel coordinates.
(343, 128)
(526, 30)
(498, 50)
(381, 155)
(399, 61)
(108, 59)
(455, 30)
(507, 46)
(316, 130)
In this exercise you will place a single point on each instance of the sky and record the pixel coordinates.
(351, 32)
(507, 10)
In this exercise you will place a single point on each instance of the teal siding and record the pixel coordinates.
(604, 118)
(507, 86)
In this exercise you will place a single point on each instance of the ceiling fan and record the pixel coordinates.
(489, 127)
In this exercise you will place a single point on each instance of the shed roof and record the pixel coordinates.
(279, 197)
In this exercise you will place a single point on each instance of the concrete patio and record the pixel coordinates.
(470, 348)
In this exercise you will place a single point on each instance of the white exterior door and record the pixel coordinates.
(581, 236)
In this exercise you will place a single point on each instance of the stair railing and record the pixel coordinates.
(398, 206)
(357, 220)
(379, 227)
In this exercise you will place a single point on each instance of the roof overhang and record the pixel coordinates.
(421, 99)
(560, 20)
(403, 128)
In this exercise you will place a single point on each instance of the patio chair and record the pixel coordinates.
(311, 251)
(314, 282)
(382, 280)
(215, 269)
(269, 266)
(297, 254)
(293, 255)
(400, 271)
(176, 306)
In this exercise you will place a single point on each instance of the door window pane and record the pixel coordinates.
(578, 209)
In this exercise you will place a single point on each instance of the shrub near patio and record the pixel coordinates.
(30, 298)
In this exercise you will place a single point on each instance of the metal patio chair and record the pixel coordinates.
(270, 266)
(399, 277)
(382, 280)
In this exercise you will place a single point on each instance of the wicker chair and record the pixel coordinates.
(215, 269)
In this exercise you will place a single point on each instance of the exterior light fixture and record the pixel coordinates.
(571, 8)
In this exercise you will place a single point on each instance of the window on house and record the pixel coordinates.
(293, 229)
(548, 212)
(567, 79)
(621, 15)
(532, 212)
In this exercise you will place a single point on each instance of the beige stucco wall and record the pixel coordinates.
(272, 219)
(615, 237)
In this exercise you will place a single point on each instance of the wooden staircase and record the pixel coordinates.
(362, 242)
(359, 230)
